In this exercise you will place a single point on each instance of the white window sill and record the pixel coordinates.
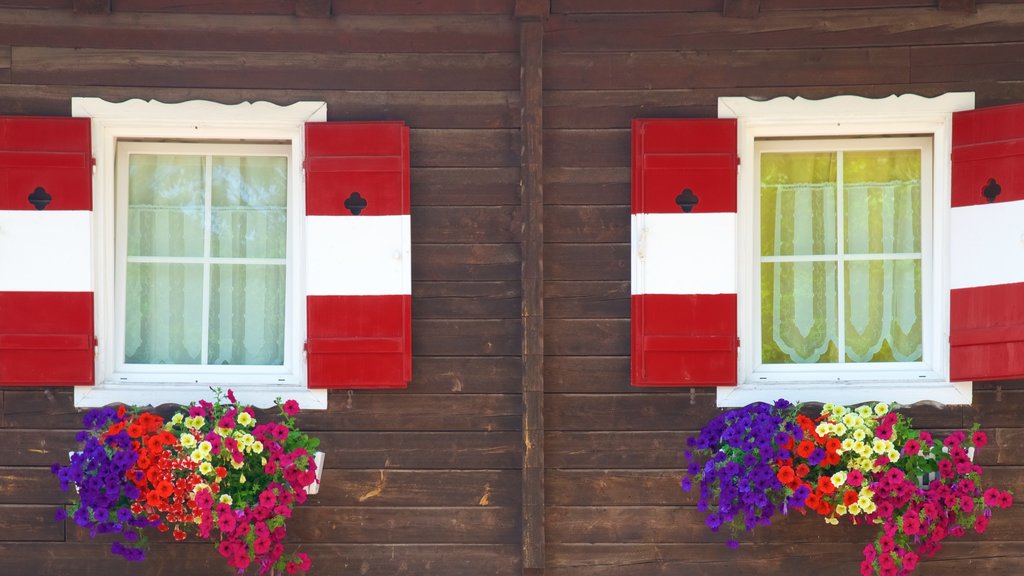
(847, 393)
(155, 394)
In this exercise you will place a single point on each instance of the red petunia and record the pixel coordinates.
(850, 497)
(803, 470)
(825, 485)
(805, 449)
(786, 475)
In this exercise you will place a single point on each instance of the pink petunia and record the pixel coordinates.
(291, 407)
(912, 448)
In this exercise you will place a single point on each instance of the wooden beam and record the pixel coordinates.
(531, 42)
(969, 6)
(91, 6)
(313, 8)
(741, 8)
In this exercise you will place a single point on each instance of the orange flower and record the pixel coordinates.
(833, 445)
(805, 448)
(850, 497)
(803, 470)
(786, 475)
(825, 485)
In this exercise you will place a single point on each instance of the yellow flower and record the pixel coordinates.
(226, 499)
(246, 440)
(197, 456)
(879, 446)
(864, 411)
(838, 479)
(206, 469)
(200, 486)
(881, 409)
(256, 447)
(241, 478)
(827, 408)
(839, 429)
(840, 411)
(177, 418)
(893, 455)
(841, 509)
(245, 419)
(863, 502)
(848, 444)
(869, 507)
(859, 434)
(823, 429)
(205, 447)
(851, 420)
(832, 520)
(187, 440)
(224, 432)
(236, 465)
(853, 509)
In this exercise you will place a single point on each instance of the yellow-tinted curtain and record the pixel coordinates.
(879, 211)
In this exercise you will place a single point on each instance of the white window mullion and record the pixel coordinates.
(207, 232)
(840, 261)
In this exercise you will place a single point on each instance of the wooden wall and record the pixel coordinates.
(519, 116)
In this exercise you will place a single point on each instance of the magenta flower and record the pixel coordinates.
(291, 407)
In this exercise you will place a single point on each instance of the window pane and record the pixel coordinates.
(883, 311)
(250, 196)
(165, 205)
(798, 312)
(247, 314)
(798, 203)
(882, 201)
(163, 313)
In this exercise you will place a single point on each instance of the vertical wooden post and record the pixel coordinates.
(531, 15)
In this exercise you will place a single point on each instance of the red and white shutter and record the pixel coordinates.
(684, 253)
(358, 272)
(987, 245)
(46, 295)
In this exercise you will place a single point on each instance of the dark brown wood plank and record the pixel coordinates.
(431, 488)
(5, 64)
(767, 5)
(465, 186)
(421, 7)
(587, 299)
(477, 262)
(248, 32)
(36, 447)
(29, 485)
(621, 450)
(38, 4)
(583, 337)
(313, 8)
(464, 148)
(586, 186)
(955, 559)
(586, 261)
(211, 69)
(466, 337)
(996, 404)
(773, 30)
(77, 559)
(590, 374)
(967, 63)
(91, 6)
(633, 412)
(425, 109)
(417, 450)
(531, 33)
(741, 8)
(465, 224)
(726, 69)
(466, 300)
(467, 374)
(587, 148)
(587, 223)
(28, 523)
(366, 411)
(635, 6)
(207, 7)
(616, 487)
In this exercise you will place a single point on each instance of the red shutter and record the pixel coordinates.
(359, 320)
(987, 245)
(684, 260)
(46, 299)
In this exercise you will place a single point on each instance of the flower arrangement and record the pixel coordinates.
(211, 471)
(866, 465)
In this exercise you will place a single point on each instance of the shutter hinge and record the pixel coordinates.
(92, 163)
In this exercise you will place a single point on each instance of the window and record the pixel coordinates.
(198, 250)
(836, 250)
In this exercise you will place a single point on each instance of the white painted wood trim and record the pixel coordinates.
(190, 121)
(155, 394)
(848, 393)
(987, 244)
(683, 253)
(45, 251)
(358, 255)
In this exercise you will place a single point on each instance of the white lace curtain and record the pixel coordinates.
(853, 242)
(206, 253)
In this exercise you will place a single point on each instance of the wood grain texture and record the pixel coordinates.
(587, 223)
(587, 299)
(313, 8)
(247, 31)
(29, 485)
(465, 261)
(586, 261)
(420, 7)
(966, 63)
(465, 224)
(207, 7)
(620, 450)
(30, 523)
(635, 6)
(91, 6)
(467, 300)
(741, 8)
(5, 64)
(416, 412)
(168, 68)
(423, 488)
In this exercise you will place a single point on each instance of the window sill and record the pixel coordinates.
(155, 394)
(848, 393)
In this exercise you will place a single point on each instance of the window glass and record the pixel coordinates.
(826, 301)
(205, 270)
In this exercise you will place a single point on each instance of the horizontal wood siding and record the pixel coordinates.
(429, 480)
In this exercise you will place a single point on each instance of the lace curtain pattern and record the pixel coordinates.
(206, 254)
(840, 257)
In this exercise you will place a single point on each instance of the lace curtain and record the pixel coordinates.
(852, 241)
(206, 253)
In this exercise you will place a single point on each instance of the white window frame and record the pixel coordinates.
(193, 121)
(842, 117)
